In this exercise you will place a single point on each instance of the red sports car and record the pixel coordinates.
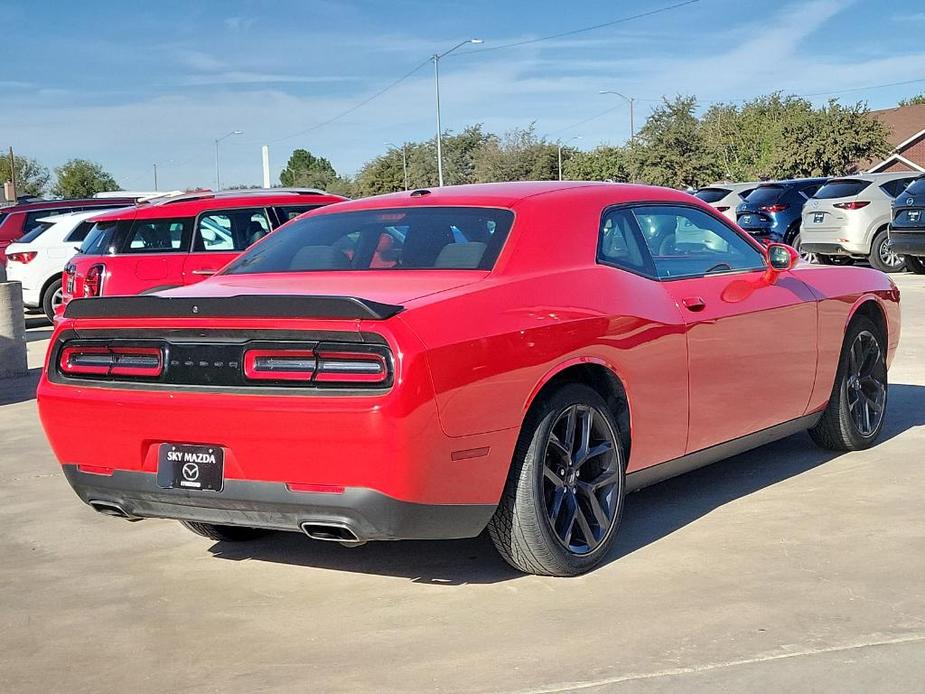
(428, 364)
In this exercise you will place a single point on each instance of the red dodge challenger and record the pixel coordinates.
(515, 357)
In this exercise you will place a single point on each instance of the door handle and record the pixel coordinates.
(693, 303)
(203, 272)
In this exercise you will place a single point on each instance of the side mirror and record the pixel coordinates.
(782, 257)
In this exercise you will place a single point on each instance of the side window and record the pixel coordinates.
(230, 230)
(31, 221)
(619, 244)
(158, 236)
(686, 242)
(79, 233)
(284, 214)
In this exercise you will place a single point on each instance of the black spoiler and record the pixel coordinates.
(243, 306)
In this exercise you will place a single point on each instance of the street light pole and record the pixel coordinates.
(631, 101)
(218, 177)
(155, 178)
(560, 143)
(436, 58)
(404, 161)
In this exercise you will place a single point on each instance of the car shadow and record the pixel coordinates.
(33, 335)
(650, 514)
(19, 388)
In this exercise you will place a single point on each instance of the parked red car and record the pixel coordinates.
(17, 220)
(521, 356)
(178, 240)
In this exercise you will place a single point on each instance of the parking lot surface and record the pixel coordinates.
(787, 567)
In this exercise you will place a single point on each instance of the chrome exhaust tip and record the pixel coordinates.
(111, 508)
(332, 532)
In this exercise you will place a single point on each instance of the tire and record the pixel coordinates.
(914, 264)
(51, 298)
(881, 257)
(224, 533)
(795, 242)
(839, 429)
(547, 487)
(835, 260)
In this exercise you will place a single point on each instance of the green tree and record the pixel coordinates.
(31, 177)
(913, 100)
(518, 155)
(81, 178)
(603, 163)
(670, 149)
(306, 170)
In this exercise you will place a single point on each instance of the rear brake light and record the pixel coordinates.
(93, 282)
(279, 365)
(323, 365)
(854, 205)
(141, 362)
(776, 207)
(22, 257)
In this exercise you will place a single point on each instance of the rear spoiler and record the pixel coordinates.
(244, 306)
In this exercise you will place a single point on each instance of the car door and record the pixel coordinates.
(751, 333)
(151, 256)
(220, 236)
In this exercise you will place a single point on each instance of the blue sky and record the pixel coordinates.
(130, 84)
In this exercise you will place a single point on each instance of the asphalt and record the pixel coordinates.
(784, 568)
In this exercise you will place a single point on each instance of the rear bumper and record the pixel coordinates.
(908, 242)
(369, 514)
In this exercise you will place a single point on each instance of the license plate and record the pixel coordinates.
(186, 466)
(818, 217)
(914, 215)
(747, 219)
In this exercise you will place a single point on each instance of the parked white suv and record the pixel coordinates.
(37, 259)
(849, 217)
(726, 197)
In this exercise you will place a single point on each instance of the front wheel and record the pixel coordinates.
(563, 500)
(853, 419)
(882, 256)
(224, 533)
(915, 264)
(52, 299)
(796, 243)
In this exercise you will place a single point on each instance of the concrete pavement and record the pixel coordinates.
(784, 568)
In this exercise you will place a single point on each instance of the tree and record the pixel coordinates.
(306, 170)
(670, 149)
(603, 163)
(31, 177)
(518, 155)
(912, 101)
(80, 178)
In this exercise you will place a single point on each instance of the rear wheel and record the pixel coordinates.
(564, 495)
(224, 533)
(915, 264)
(882, 256)
(835, 260)
(808, 257)
(52, 299)
(853, 418)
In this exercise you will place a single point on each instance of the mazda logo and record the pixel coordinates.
(190, 472)
(815, 203)
(909, 201)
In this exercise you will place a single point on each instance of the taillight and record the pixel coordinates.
(776, 207)
(722, 208)
(93, 360)
(325, 364)
(93, 281)
(854, 205)
(23, 258)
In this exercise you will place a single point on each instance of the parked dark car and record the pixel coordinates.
(772, 211)
(19, 219)
(907, 228)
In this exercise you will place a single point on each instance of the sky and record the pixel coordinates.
(132, 84)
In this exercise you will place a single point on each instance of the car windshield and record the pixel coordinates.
(711, 194)
(917, 187)
(842, 188)
(410, 238)
(37, 230)
(764, 195)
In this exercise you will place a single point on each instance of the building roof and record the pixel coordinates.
(907, 129)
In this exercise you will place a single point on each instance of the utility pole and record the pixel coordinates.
(631, 101)
(13, 173)
(265, 154)
(436, 58)
(561, 145)
(155, 177)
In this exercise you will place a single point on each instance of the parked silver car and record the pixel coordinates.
(726, 197)
(849, 217)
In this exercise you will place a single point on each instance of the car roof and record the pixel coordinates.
(73, 202)
(191, 204)
(505, 195)
(874, 177)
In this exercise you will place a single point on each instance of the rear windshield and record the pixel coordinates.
(917, 187)
(842, 188)
(420, 238)
(711, 194)
(38, 228)
(763, 195)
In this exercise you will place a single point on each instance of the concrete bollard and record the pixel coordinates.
(13, 360)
